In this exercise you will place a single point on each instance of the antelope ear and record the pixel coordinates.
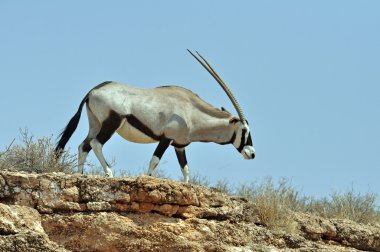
(224, 109)
(234, 120)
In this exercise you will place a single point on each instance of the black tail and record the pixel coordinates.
(70, 128)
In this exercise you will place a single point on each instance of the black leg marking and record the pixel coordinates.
(181, 155)
(86, 147)
(109, 126)
(161, 148)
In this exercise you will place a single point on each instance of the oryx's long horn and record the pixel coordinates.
(226, 89)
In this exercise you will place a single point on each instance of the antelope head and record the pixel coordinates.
(242, 140)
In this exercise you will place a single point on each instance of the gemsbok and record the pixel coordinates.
(169, 115)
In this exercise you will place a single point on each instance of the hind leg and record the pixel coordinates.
(83, 150)
(108, 128)
(98, 150)
(181, 155)
(85, 147)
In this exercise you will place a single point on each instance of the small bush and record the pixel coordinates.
(273, 204)
(357, 207)
(35, 156)
(223, 186)
(347, 205)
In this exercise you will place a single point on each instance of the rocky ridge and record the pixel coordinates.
(60, 212)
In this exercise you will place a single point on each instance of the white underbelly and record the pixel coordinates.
(132, 134)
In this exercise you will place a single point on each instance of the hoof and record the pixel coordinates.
(109, 175)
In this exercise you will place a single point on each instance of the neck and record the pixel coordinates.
(211, 129)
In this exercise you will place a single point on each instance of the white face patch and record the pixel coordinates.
(248, 152)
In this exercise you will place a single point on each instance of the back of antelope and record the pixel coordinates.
(169, 115)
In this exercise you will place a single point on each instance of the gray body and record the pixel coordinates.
(172, 112)
(169, 115)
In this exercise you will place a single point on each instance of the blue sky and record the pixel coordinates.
(305, 72)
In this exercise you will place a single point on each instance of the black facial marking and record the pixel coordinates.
(233, 138)
(109, 126)
(162, 146)
(181, 155)
(242, 141)
(249, 140)
(137, 124)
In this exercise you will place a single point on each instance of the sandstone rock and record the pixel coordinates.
(314, 227)
(21, 230)
(363, 237)
(58, 212)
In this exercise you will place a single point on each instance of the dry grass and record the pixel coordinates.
(197, 179)
(273, 204)
(347, 205)
(35, 156)
(223, 186)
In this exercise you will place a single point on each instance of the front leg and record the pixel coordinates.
(181, 155)
(157, 155)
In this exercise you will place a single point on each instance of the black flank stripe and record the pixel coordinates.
(137, 124)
